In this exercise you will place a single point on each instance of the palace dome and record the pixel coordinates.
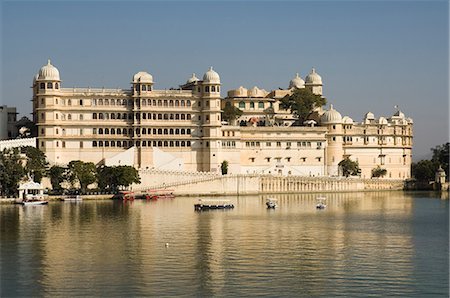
(297, 82)
(369, 116)
(211, 77)
(347, 120)
(313, 78)
(48, 72)
(192, 79)
(143, 77)
(331, 116)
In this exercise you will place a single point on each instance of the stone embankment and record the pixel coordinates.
(198, 183)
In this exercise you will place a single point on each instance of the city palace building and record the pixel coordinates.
(182, 129)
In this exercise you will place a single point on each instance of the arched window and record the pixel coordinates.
(124, 131)
(154, 131)
(130, 116)
(94, 131)
(49, 86)
(113, 116)
(106, 116)
(100, 131)
(177, 143)
(100, 115)
(188, 116)
(118, 116)
(144, 87)
(171, 144)
(113, 131)
(183, 131)
(188, 143)
(218, 89)
(242, 105)
(159, 116)
(154, 116)
(56, 86)
(144, 116)
(69, 117)
(171, 116)
(42, 86)
(144, 131)
(171, 131)
(106, 131)
(100, 102)
(94, 143)
(100, 143)
(207, 89)
(106, 102)
(260, 105)
(188, 131)
(124, 144)
(149, 102)
(177, 131)
(165, 131)
(166, 117)
(170, 103)
(159, 131)
(177, 103)
(252, 105)
(177, 116)
(182, 103)
(113, 102)
(124, 116)
(81, 116)
(213, 88)
(113, 144)
(69, 102)
(159, 103)
(106, 143)
(144, 102)
(183, 144)
(188, 103)
(183, 116)
(137, 131)
(119, 144)
(94, 115)
(159, 143)
(165, 103)
(165, 143)
(130, 131)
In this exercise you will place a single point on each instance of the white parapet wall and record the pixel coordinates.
(6, 144)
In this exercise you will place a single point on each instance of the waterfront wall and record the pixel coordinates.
(205, 183)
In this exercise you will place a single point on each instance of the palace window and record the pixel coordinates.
(49, 86)
(42, 86)
(242, 105)
(261, 105)
(252, 105)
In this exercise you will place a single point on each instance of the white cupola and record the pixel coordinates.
(48, 73)
(192, 79)
(297, 82)
(331, 117)
(211, 77)
(313, 78)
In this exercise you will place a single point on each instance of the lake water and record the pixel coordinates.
(363, 244)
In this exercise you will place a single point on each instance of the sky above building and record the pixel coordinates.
(372, 55)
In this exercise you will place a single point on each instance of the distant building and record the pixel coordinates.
(183, 130)
(8, 118)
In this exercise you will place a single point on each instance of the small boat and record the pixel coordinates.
(203, 205)
(75, 198)
(271, 203)
(31, 202)
(321, 203)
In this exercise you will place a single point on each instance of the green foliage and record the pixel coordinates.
(349, 167)
(424, 170)
(441, 156)
(378, 172)
(57, 176)
(11, 172)
(84, 173)
(224, 167)
(36, 165)
(231, 113)
(112, 178)
(301, 103)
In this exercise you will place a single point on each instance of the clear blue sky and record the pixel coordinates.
(371, 55)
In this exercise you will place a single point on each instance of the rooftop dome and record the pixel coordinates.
(347, 120)
(211, 77)
(48, 72)
(313, 78)
(331, 116)
(143, 77)
(297, 82)
(192, 79)
(369, 116)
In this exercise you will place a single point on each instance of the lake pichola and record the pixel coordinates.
(378, 244)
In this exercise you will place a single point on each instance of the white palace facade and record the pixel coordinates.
(182, 129)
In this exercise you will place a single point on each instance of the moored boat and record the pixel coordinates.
(203, 205)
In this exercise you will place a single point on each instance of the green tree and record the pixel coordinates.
(11, 172)
(57, 176)
(441, 156)
(84, 173)
(112, 178)
(378, 172)
(349, 167)
(36, 164)
(224, 167)
(301, 103)
(230, 113)
(424, 170)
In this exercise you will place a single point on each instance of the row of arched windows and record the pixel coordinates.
(128, 144)
(139, 131)
(144, 116)
(143, 102)
(49, 85)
